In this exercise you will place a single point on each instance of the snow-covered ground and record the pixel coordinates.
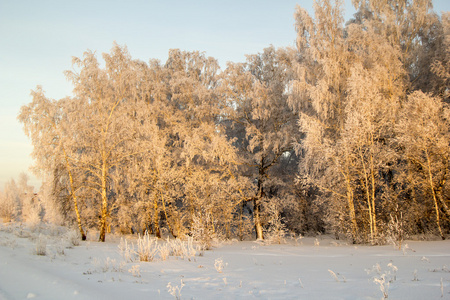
(308, 268)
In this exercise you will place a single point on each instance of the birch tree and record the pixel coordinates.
(441, 63)
(256, 94)
(206, 157)
(45, 123)
(351, 84)
(423, 133)
(320, 92)
(376, 88)
(103, 124)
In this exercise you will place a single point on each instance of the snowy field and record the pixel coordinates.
(306, 268)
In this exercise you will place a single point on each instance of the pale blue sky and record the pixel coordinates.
(38, 39)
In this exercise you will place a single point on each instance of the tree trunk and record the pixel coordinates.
(74, 198)
(104, 212)
(241, 221)
(257, 216)
(166, 215)
(75, 205)
(351, 209)
(156, 230)
(257, 203)
(374, 212)
(433, 192)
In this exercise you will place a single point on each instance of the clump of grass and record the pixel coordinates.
(147, 247)
(41, 245)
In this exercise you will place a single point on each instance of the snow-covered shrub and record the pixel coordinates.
(394, 232)
(202, 233)
(50, 204)
(127, 250)
(164, 251)
(41, 245)
(147, 247)
(72, 237)
(276, 232)
(108, 265)
(184, 249)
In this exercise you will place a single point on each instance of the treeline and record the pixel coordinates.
(346, 133)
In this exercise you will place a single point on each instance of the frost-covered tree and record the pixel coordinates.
(352, 82)
(375, 90)
(102, 119)
(320, 92)
(204, 154)
(265, 127)
(10, 202)
(45, 123)
(441, 61)
(31, 204)
(423, 134)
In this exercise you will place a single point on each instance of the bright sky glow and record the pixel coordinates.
(38, 39)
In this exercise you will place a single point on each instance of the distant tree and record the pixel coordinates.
(10, 202)
(441, 64)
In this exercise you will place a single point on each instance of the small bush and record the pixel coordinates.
(41, 245)
(127, 250)
(147, 247)
(73, 237)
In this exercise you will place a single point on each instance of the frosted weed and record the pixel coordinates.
(108, 265)
(126, 250)
(175, 291)
(384, 278)
(219, 265)
(416, 277)
(335, 276)
(41, 245)
(135, 271)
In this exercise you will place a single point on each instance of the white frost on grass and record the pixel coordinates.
(96, 270)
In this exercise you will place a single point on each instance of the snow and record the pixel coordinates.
(308, 268)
